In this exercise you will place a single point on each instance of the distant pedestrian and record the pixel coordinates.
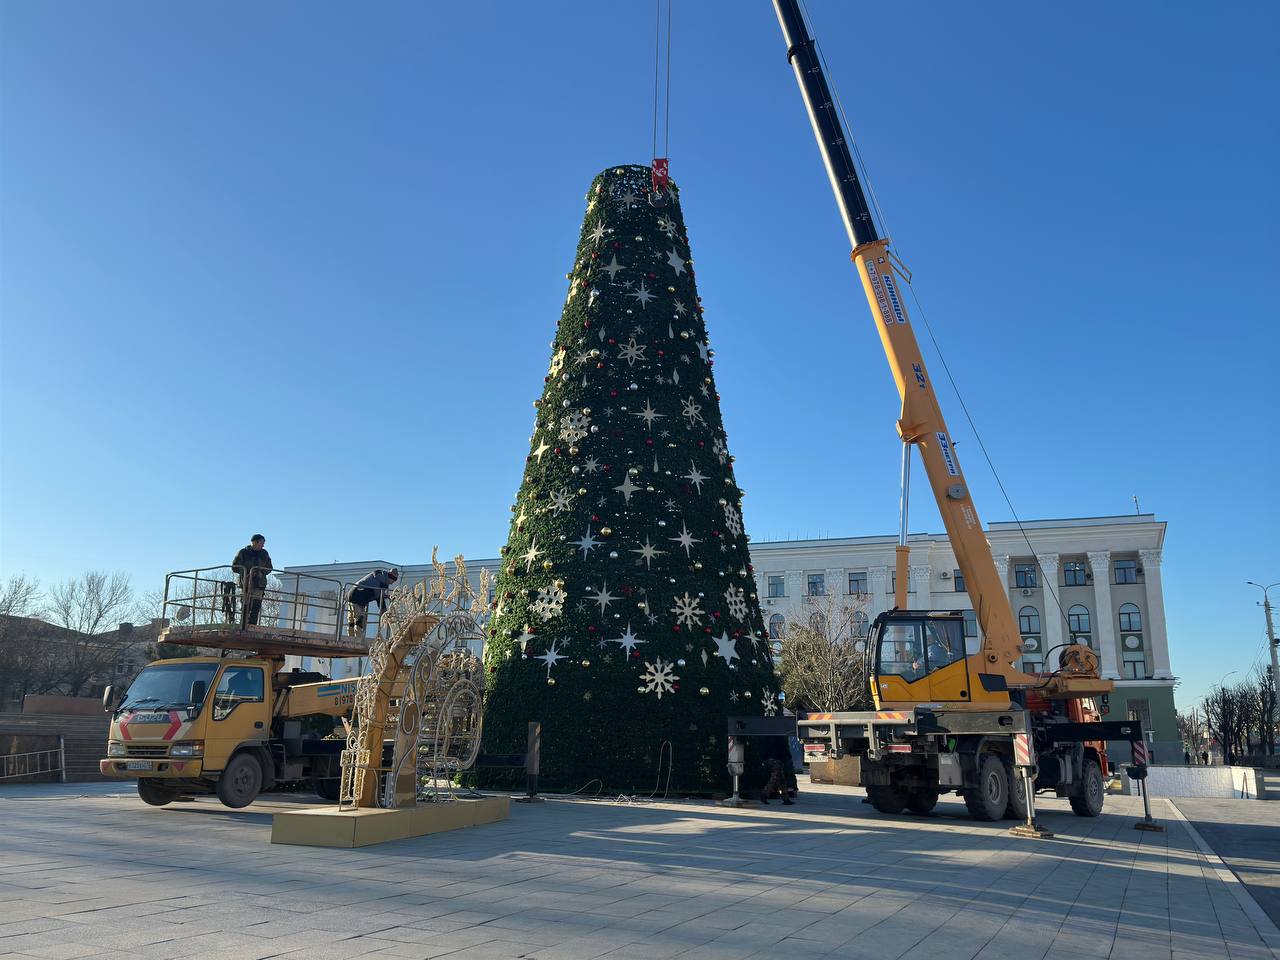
(369, 588)
(252, 565)
(1204, 755)
(1186, 757)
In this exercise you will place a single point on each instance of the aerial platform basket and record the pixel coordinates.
(296, 614)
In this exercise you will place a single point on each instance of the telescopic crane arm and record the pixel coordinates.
(921, 423)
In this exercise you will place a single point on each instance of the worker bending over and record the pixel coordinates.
(372, 586)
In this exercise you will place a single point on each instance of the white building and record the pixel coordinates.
(1104, 572)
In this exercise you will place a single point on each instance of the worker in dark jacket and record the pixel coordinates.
(251, 567)
(369, 588)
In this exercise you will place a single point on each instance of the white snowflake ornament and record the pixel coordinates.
(574, 427)
(688, 610)
(659, 677)
(736, 598)
(732, 519)
(549, 602)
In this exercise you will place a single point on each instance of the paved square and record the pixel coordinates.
(91, 872)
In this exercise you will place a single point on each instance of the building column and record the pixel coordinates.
(1051, 616)
(1155, 624)
(921, 575)
(878, 585)
(1104, 619)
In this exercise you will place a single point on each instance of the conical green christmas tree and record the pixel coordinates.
(626, 617)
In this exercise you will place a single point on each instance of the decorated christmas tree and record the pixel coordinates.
(626, 619)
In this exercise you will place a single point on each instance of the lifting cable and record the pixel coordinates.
(661, 92)
(884, 223)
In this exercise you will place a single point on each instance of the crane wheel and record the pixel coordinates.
(1088, 802)
(1016, 808)
(887, 799)
(989, 798)
(241, 781)
(922, 801)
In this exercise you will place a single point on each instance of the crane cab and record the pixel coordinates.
(918, 657)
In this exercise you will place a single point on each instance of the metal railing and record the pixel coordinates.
(35, 763)
(292, 603)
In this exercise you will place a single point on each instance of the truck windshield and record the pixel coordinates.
(167, 685)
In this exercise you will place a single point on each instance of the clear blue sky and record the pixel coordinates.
(294, 267)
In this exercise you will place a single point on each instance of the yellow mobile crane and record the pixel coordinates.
(945, 718)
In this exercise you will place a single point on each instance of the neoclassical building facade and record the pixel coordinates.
(1094, 580)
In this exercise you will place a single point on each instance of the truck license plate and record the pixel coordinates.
(138, 765)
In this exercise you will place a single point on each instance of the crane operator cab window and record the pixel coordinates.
(911, 649)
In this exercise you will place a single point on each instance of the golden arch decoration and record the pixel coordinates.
(422, 691)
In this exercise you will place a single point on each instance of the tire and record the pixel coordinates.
(988, 799)
(155, 792)
(1016, 808)
(241, 781)
(1088, 802)
(327, 788)
(921, 802)
(887, 799)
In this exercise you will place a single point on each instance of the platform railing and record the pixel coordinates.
(290, 603)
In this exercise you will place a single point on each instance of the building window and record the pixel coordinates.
(1078, 618)
(1032, 665)
(1126, 571)
(859, 624)
(777, 585)
(1135, 666)
(1024, 575)
(893, 583)
(818, 622)
(1073, 573)
(1130, 618)
(1028, 620)
(858, 583)
(817, 585)
(123, 667)
(958, 579)
(776, 624)
(1139, 710)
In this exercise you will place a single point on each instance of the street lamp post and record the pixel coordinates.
(1271, 630)
(1271, 633)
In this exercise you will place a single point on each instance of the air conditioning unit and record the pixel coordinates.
(1026, 591)
(945, 575)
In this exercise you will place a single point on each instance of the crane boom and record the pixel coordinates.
(921, 423)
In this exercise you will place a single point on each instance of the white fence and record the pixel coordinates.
(1242, 783)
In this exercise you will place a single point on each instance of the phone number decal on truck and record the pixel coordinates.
(344, 694)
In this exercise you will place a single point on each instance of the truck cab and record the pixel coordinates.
(230, 726)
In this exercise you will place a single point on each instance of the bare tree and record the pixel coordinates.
(823, 664)
(1191, 731)
(26, 664)
(89, 608)
(1262, 694)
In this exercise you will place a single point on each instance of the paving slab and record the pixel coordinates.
(92, 872)
(1246, 835)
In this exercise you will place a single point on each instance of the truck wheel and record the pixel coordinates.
(923, 801)
(327, 788)
(988, 799)
(241, 781)
(1088, 802)
(1016, 809)
(155, 792)
(887, 799)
